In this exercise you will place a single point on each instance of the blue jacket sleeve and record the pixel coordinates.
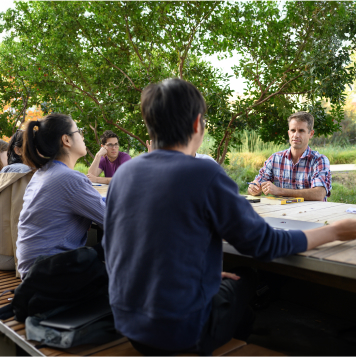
(234, 220)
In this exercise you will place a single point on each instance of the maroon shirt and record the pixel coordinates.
(109, 167)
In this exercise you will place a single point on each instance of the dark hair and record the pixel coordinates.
(169, 110)
(107, 135)
(303, 116)
(15, 141)
(3, 147)
(45, 144)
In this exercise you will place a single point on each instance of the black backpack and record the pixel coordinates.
(67, 278)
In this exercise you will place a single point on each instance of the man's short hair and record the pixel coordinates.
(107, 135)
(303, 116)
(169, 109)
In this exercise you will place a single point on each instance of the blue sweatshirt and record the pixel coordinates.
(166, 216)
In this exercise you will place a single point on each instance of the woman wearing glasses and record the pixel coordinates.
(59, 203)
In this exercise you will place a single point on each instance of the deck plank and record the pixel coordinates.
(253, 350)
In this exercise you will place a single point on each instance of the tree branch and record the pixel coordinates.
(22, 112)
(187, 47)
(258, 102)
(135, 48)
(106, 59)
(95, 132)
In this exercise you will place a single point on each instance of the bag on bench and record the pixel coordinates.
(89, 323)
(72, 277)
(76, 281)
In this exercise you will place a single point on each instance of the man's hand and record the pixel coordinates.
(149, 145)
(255, 190)
(268, 188)
(102, 151)
(229, 276)
(92, 178)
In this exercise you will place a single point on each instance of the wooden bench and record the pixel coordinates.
(16, 332)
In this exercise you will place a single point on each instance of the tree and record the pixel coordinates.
(92, 60)
(291, 59)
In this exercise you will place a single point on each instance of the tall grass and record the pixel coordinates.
(251, 142)
(338, 155)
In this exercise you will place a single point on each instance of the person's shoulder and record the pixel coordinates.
(317, 156)
(124, 154)
(103, 160)
(18, 168)
(63, 173)
(277, 156)
(123, 157)
(204, 156)
(203, 166)
(281, 153)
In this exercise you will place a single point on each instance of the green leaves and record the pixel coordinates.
(92, 60)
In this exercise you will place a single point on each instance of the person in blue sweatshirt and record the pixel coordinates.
(167, 214)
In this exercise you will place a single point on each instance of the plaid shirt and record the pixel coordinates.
(312, 170)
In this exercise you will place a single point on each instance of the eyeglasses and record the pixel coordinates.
(110, 146)
(80, 131)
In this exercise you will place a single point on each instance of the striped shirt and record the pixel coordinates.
(20, 168)
(311, 170)
(59, 206)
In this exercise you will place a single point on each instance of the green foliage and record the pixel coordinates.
(338, 155)
(344, 188)
(92, 60)
(344, 138)
(291, 58)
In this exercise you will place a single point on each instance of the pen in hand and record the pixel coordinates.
(252, 183)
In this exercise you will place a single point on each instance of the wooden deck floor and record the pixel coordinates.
(16, 332)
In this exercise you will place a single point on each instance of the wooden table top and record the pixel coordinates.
(102, 189)
(337, 258)
(320, 212)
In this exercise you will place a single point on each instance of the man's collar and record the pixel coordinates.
(305, 154)
(114, 159)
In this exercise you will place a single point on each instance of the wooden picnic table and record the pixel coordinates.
(332, 264)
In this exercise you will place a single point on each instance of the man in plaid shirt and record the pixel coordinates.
(298, 171)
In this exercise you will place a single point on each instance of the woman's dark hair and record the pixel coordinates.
(169, 110)
(45, 143)
(3, 147)
(15, 141)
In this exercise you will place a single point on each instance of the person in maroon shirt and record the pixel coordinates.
(107, 159)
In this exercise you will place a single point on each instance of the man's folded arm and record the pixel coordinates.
(309, 194)
(94, 168)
